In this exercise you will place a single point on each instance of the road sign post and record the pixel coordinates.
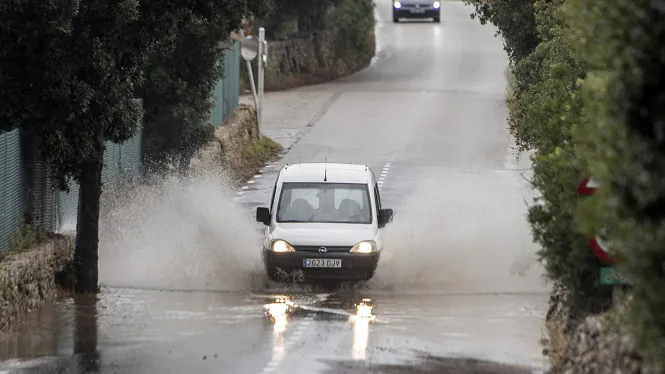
(251, 48)
(262, 61)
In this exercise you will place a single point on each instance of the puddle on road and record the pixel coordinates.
(122, 317)
(425, 364)
(383, 326)
(502, 329)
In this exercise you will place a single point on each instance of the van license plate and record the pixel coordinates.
(417, 11)
(322, 263)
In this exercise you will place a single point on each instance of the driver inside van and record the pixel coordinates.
(326, 211)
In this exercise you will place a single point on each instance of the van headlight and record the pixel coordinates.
(397, 4)
(367, 246)
(436, 5)
(281, 246)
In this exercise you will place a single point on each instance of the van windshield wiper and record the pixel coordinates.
(292, 221)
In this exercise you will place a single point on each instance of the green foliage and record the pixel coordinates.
(626, 145)
(179, 83)
(546, 106)
(70, 74)
(308, 16)
(26, 238)
(358, 18)
(589, 97)
(565, 252)
(353, 19)
(261, 151)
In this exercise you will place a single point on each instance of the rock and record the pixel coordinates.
(601, 344)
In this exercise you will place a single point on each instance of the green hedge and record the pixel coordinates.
(589, 97)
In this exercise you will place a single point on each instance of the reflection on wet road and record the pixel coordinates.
(152, 331)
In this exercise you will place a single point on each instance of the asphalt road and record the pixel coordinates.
(458, 289)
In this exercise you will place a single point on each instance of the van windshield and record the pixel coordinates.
(324, 203)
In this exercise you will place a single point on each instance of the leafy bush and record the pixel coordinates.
(624, 141)
(589, 97)
(515, 21)
(356, 18)
(546, 107)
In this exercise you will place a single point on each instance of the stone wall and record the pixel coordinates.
(28, 278)
(312, 58)
(236, 150)
(599, 344)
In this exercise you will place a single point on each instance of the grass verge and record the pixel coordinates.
(255, 154)
(24, 239)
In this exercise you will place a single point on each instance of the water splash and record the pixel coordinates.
(178, 234)
(463, 232)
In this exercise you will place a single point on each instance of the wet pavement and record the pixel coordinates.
(458, 288)
(311, 330)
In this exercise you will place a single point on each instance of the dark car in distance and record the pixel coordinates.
(417, 9)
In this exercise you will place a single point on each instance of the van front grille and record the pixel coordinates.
(312, 248)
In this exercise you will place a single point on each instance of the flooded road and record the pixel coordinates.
(458, 288)
(136, 331)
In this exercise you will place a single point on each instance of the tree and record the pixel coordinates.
(546, 105)
(515, 21)
(178, 86)
(69, 77)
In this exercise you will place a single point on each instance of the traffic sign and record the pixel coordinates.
(600, 249)
(587, 187)
(611, 276)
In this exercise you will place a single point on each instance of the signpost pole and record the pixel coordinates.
(262, 60)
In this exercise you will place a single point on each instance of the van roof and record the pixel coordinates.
(336, 172)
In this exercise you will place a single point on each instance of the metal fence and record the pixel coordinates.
(25, 184)
(12, 196)
(24, 180)
(122, 163)
(225, 95)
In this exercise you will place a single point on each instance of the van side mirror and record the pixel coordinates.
(263, 215)
(385, 217)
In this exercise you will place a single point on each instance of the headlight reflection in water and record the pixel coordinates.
(361, 321)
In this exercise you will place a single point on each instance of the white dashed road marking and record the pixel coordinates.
(297, 334)
(384, 174)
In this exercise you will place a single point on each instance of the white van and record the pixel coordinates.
(325, 220)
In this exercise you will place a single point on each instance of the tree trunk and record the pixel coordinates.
(87, 225)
